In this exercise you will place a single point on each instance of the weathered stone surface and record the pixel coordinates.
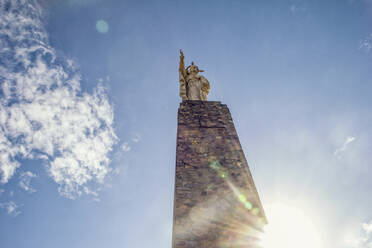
(215, 202)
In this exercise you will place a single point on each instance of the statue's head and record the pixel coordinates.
(193, 69)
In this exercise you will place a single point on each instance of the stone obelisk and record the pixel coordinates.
(216, 204)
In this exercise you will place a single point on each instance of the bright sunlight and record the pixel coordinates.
(289, 227)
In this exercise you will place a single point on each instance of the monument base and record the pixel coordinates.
(215, 202)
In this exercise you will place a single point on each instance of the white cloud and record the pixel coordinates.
(365, 238)
(367, 227)
(297, 7)
(43, 112)
(11, 208)
(344, 146)
(25, 181)
(293, 8)
(136, 138)
(125, 147)
(366, 44)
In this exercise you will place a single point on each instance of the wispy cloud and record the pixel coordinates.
(11, 208)
(25, 181)
(125, 147)
(365, 238)
(367, 227)
(366, 44)
(44, 114)
(297, 6)
(338, 151)
(136, 138)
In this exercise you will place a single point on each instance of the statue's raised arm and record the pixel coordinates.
(183, 74)
(182, 64)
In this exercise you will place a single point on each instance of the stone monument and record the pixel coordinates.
(216, 204)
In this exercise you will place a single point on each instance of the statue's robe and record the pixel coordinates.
(194, 88)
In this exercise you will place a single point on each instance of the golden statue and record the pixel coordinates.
(192, 85)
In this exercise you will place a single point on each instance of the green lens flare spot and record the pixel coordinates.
(102, 26)
(255, 211)
(222, 174)
(248, 205)
(214, 165)
(242, 198)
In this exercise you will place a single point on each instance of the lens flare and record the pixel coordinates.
(102, 26)
(222, 172)
(229, 212)
(289, 227)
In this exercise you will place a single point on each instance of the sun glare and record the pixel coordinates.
(289, 227)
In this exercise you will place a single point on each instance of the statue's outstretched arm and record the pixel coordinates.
(182, 64)
(182, 73)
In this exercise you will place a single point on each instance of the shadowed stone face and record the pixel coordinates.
(216, 203)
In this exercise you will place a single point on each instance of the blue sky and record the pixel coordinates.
(88, 113)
